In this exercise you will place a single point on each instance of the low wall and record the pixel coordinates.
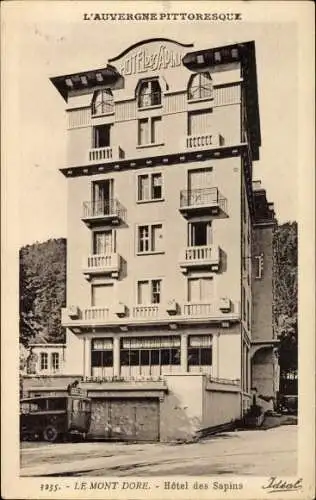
(220, 405)
(181, 409)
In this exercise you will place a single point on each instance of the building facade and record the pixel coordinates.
(45, 359)
(169, 265)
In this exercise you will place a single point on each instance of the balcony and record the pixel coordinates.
(95, 315)
(105, 212)
(146, 311)
(206, 256)
(204, 141)
(103, 264)
(105, 154)
(203, 201)
(219, 311)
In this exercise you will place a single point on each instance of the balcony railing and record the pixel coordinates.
(200, 256)
(202, 200)
(102, 264)
(95, 314)
(100, 154)
(102, 210)
(204, 141)
(198, 309)
(151, 313)
(105, 154)
(146, 311)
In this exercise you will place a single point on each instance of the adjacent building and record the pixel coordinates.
(169, 266)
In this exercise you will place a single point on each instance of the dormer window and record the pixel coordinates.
(102, 102)
(149, 94)
(200, 87)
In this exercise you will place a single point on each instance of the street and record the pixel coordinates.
(257, 452)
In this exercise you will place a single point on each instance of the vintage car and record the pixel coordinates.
(54, 417)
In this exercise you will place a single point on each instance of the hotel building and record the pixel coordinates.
(169, 265)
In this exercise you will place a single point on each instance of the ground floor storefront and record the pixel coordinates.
(175, 407)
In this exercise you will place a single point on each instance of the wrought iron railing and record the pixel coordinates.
(103, 108)
(103, 208)
(203, 197)
(125, 379)
(200, 92)
(149, 99)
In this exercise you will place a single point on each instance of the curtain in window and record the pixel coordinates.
(143, 128)
(156, 238)
(143, 187)
(143, 292)
(200, 122)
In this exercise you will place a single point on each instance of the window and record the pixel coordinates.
(199, 234)
(248, 314)
(149, 292)
(149, 94)
(102, 196)
(200, 87)
(199, 122)
(200, 350)
(55, 360)
(102, 353)
(103, 242)
(243, 291)
(155, 284)
(150, 351)
(149, 131)
(150, 187)
(44, 361)
(101, 136)
(244, 208)
(259, 262)
(245, 256)
(200, 289)
(150, 238)
(56, 404)
(102, 102)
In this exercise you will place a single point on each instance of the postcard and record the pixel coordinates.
(158, 250)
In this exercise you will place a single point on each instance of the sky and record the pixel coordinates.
(52, 45)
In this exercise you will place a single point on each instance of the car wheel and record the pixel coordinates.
(50, 434)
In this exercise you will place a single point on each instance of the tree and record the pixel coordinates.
(285, 295)
(42, 291)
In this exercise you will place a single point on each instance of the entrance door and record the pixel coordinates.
(101, 136)
(200, 178)
(199, 234)
(199, 184)
(102, 197)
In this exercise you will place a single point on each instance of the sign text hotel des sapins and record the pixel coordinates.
(148, 59)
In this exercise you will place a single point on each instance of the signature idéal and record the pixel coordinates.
(275, 484)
